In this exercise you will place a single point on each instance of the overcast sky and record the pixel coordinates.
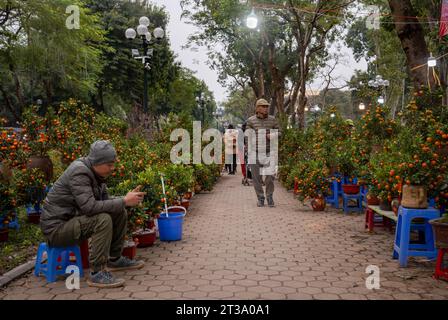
(179, 31)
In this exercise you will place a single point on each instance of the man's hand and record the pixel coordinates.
(137, 189)
(134, 198)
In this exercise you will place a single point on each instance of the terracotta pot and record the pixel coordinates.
(34, 218)
(4, 235)
(414, 197)
(318, 204)
(150, 224)
(185, 204)
(43, 163)
(188, 195)
(385, 205)
(130, 250)
(351, 188)
(440, 233)
(373, 200)
(145, 238)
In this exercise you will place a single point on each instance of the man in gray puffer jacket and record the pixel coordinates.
(78, 208)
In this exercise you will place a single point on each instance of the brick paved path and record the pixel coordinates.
(233, 250)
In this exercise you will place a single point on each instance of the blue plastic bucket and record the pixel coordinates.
(170, 227)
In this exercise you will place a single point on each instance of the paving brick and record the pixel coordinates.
(270, 283)
(41, 296)
(223, 294)
(325, 296)
(259, 289)
(144, 295)
(93, 296)
(194, 294)
(169, 295)
(118, 295)
(67, 296)
(272, 296)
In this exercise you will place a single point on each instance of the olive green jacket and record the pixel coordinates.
(79, 191)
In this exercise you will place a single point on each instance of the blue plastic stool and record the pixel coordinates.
(403, 247)
(357, 197)
(364, 192)
(58, 259)
(334, 198)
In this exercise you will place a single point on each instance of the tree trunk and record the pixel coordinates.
(412, 39)
(48, 91)
(9, 105)
(18, 86)
(301, 107)
(262, 91)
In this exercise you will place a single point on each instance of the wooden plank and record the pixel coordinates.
(388, 214)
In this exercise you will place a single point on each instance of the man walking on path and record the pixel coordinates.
(78, 208)
(264, 122)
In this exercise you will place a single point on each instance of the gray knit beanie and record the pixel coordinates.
(102, 152)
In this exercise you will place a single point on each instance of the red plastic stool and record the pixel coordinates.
(371, 222)
(85, 254)
(441, 272)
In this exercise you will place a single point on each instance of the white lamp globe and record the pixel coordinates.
(381, 100)
(252, 20)
(144, 21)
(142, 30)
(130, 34)
(148, 36)
(432, 62)
(159, 33)
(362, 106)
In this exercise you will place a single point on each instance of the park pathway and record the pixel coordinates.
(233, 250)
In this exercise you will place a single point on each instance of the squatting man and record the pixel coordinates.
(79, 207)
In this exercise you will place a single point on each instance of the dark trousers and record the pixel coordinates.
(231, 167)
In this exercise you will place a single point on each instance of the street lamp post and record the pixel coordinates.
(201, 100)
(218, 114)
(146, 37)
(380, 85)
(315, 110)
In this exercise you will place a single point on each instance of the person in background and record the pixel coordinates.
(230, 142)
